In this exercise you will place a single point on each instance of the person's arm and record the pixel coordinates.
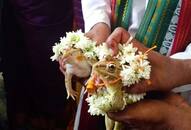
(185, 55)
(183, 68)
(96, 11)
(170, 112)
(96, 15)
(166, 73)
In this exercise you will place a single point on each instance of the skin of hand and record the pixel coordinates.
(99, 32)
(166, 73)
(169, 113)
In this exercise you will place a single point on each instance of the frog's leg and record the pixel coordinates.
(68, 85)
(109, 124)
(118, 126)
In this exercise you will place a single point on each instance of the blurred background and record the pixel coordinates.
(32, 91)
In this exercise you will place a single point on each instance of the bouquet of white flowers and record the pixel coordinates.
(108, 76)
(132, 66)
(74, 40)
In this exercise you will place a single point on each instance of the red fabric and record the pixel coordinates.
(113, 17)
(183, 34)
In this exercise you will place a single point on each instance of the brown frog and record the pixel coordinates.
(75, 63)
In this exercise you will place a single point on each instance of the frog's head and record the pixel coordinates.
(72, 52)
(107, 70)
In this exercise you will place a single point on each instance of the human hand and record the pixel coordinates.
(99, 32)
(164, 72)
(62, 66)
(171, 112)
(80, 70)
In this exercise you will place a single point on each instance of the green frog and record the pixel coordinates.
(106, 73)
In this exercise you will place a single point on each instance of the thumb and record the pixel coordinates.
(176, 100)
(119, 35)
(113, 44)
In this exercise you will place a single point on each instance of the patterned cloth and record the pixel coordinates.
(155, 22)
(170, 34)
(159, 17)
(121, 13)
(183, 27)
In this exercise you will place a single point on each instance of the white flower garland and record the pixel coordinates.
(135, 66)
(74, 40)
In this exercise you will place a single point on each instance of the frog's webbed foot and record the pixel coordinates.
(68, 83)
(119, 126)
(109, 124)
(71, 93)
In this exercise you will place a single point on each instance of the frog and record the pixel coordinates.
(106, 73)
(75, 64)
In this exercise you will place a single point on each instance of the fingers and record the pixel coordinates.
(62, 64)
(62, 70)
(91, 36)
(163, 114)
(99, 32)
(152, 111)
(95, 36)
(176, 100)
(141, 87)
(119, 35)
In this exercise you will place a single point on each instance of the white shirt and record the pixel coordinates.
(95, 11)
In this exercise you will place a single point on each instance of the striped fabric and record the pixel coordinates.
(183, 34)
(156, 21)
(121, 11)
(167, 43)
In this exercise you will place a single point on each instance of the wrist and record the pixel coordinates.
(179, 119)
(182, 69)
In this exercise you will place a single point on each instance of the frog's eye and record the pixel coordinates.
(111, 67)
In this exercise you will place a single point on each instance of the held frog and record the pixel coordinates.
(75, 64)
(106, 74)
